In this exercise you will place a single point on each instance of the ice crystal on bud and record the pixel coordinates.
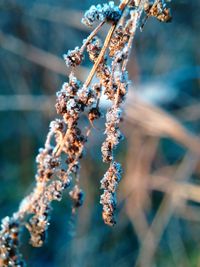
(114, 115)
(74, 82)
(108, 12)
(86, 96)
(57, 125)
(112, 177)
(120, 37)
(108, 199)
(72, 107)
(64, 177)
(37, 227)
(94, 114)
(111, 12)
(73, 58)
(112, 132)
(92, 15)
(55, 190)
(94, 48)
(77, 196)
(9, 241)
(58, 162)
(47, 163)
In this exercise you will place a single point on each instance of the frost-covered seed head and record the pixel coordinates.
(114, 115)
(108, 12)
(94, 114)
(57, 125)
(94, 48)
(92, 15)
(77, 196)
(73, 58)
(9, 241)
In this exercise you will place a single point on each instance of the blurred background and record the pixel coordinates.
(158, 215)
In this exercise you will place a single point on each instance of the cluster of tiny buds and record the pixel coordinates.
(109, 184)
(108, 12)
(38, 225)
(77, 197)
(39, 222)
(113, 133)
(47, 163)
(94, 48)
(66, 105)
(72, 99)
(120, 37)
(9, 239)
(73, 58)
(158, 10)
(59, 161)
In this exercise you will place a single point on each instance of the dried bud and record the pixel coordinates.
(133, 3)
(77, 196)
(72, 107)
(37, 231)
(104, 74)
(64, 177)
(38, 224)
(94, 114)
(57, 125)
(112, 177)
(86, 96)
(54, 191)
(108, 12)
(114, 115)
(47, 163)
(119, 39)
(97, 88)
(92, 15)
(107, 152)
(9, 242)
(94, 48)
(158, 10)
(111, 12)
(108, 200)
(73, 58)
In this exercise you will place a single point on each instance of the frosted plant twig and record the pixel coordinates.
(58, 163)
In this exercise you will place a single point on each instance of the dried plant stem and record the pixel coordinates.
(78, 155)
(92, 34)
(130, 41)
(123, 4)
(101, 55)
(59, 163)
(58, 148)
(105, 46)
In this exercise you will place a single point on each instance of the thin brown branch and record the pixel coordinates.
(122, 6)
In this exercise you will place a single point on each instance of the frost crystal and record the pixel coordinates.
(108, 12)
(73, 58)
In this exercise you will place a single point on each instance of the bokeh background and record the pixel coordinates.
(158, 217)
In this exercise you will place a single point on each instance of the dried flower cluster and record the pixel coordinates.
(158, 10)
(108, 199)
(9, 240)
(109, 12)
(58, 163)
